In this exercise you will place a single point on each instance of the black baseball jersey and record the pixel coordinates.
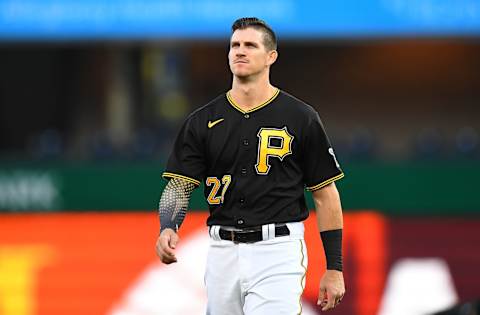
(255, 164)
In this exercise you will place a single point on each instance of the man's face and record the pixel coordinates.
(248, 55)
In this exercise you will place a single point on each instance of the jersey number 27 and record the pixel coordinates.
(213, 199)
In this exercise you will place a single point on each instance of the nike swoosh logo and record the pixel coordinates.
(213, 123)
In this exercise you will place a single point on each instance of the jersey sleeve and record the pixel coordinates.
(320, 165)
(186, 160)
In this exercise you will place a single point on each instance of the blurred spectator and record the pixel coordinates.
(466, 141)
(429, 143)
(101, 147)
(47, 144)
(144, 145)
(361, 143)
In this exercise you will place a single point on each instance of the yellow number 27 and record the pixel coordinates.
(213, 199)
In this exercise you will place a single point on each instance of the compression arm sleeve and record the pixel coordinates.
(332, 244)
(173, 204)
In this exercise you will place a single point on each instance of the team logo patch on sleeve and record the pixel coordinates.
(330, 150)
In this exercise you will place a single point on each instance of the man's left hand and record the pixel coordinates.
(332, 289)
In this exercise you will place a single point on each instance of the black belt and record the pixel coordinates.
(250, 236)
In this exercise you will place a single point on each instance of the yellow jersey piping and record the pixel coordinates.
(232, 102)
(188, 179)
(325, 183)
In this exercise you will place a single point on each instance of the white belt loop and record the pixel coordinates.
(265, 232)
(271, 230)
(217, 233)
(214, 232)
(268, 231)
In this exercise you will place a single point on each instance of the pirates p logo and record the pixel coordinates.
(266, 149)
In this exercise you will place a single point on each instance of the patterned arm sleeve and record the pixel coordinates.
(173, 204)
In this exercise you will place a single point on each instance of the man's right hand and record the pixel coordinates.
(166, 243)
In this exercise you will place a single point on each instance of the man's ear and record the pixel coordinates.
(272, 57)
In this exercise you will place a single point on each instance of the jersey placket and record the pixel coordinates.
(244, 169)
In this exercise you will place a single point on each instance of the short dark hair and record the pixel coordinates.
(269, 38)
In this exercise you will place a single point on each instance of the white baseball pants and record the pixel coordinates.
(262, 278)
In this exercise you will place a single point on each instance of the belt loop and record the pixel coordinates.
(214, 232)
(271, 230)
(217, 233)
(268, 231)
(265, 235)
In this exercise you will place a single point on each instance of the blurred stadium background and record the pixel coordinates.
(92, 94)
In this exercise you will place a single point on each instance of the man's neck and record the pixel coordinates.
(250, 94)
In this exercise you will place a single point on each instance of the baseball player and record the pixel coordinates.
(256, 148)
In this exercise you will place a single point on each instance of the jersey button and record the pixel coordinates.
(244, 171)
(246, 116)
(242, 199)
(240, 222)
(245, 142)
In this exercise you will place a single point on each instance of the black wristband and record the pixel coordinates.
(332, 245)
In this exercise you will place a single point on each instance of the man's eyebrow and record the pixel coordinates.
(251, 43)
(246, 43)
